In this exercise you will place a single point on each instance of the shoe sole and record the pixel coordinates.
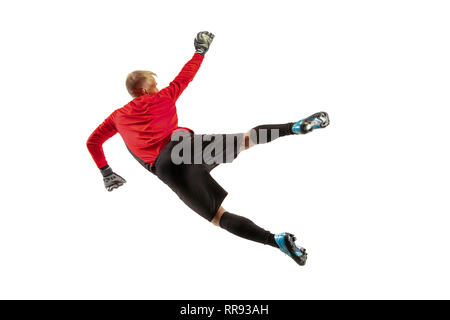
(300, 260)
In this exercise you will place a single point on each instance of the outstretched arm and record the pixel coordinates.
(95, 146)
(187, 74)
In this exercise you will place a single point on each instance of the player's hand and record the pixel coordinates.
(203, 41)
(112, 180)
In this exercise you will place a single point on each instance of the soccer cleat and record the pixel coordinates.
(286, 243)
(317, 120)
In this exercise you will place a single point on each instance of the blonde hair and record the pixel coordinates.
(139, 79)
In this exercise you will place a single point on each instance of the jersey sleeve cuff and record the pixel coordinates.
(106, 171)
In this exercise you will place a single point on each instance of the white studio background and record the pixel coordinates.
(368, 196)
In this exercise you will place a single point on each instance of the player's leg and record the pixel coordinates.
(214, 149)
(245, 228)
(269, 132)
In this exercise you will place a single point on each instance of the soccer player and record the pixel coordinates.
(182, 159)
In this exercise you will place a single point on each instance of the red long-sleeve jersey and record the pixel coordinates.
(146, 123)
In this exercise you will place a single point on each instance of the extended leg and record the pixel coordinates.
(269, 132)
(214, 149)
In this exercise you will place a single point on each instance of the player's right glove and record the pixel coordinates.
(112, 180)
(203, 41)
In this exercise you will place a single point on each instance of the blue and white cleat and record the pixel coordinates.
(286, 243)
(316, 121)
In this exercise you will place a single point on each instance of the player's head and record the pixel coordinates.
(141, 82)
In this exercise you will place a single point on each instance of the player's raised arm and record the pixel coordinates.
(95, 146)
(201, 43)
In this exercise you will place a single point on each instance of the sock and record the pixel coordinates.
(269, 132)
(245, 228)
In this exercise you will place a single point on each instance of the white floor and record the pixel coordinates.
(368, 196)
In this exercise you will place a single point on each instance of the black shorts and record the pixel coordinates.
(192, 181)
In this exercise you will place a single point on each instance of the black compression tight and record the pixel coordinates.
(245, 228)
(269, 132)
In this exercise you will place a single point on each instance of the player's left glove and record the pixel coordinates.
(112, 180)
(203, 41)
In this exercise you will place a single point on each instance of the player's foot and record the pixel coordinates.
(286, 243)
(317, 120)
